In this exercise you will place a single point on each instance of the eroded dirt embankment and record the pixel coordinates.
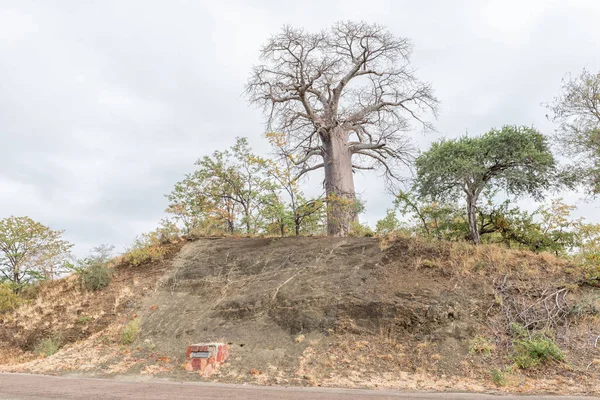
(333, 311)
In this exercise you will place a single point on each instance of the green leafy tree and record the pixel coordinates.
(388, 224)
(228, 188)
(516, 159)
(189, 202)
(283, 172)
(432, 219)
(30, 251)
(577, 110)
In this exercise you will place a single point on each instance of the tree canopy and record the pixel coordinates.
(30, 251)
(516, 159)
(235, 190)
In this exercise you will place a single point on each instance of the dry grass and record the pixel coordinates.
(465, 259)
(61, 308)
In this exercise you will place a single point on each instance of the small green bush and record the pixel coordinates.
(531, 350)
(359, 230)
(96, 277)
(141, 255)
(93, 271)
(518, 331)
(147, 248)
(84, 319)
(481, 345)
(47, 346)
(8, 300)
(131, 331)
(499, 377)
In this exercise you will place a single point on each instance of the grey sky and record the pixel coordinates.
(104, 105)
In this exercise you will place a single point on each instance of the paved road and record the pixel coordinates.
(29, 387)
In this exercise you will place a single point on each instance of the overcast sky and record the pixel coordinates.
(104, 105)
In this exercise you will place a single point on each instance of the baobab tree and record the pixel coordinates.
(344, 97)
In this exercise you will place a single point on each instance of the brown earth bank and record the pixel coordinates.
(404, 313)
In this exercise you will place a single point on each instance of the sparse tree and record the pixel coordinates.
(388, 224)
(189, 202)
(30, 251)
(283, 173)
(343, 97)
(237, 176)
(228, 187)
(515, 159)
(577, 110)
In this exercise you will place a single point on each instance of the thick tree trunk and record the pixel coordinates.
(297, 225)
(339, 184)
(472, 214)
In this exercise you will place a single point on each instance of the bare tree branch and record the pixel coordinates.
(352, 80)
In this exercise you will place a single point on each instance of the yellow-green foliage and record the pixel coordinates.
(588, 256)
(499, 377)
(131, 331)
(140, 255)
(481, 345)
(96, 277)
(533, 350)
(47, 346)
(8, 300)
(359, 230)
(149, 246)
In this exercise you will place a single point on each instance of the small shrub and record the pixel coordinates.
(8, 300)
(84, 319)
(141, 255)
(96, 277)
(166, 232)
(47, 346)
(149, 247)
(359, 230)
(93, 271)
(481, 345)
(518, 331)
(498, 377)
(131, 331)
(531, 351)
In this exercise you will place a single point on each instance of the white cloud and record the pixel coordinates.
(105, 105)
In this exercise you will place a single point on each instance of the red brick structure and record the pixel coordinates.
(205, 358)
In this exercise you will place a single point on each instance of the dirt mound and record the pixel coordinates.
(260, 294)
(409, 313)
